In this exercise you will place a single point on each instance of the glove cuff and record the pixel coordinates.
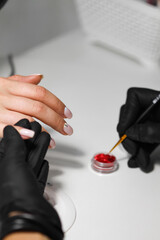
(29, 222)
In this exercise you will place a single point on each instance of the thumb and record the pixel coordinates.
(14, 147)
(147, 132)
(34, 78)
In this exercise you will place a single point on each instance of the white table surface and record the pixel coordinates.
(93, 82)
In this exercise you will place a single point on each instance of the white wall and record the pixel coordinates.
(26, 23)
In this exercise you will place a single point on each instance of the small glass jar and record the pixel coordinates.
(104, 163)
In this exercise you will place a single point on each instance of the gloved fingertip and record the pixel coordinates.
(144, 161)
(132, 163)
(36, 126)
(148, 168)
(23, 123)
(134, 132)
(10, 131)
(130, 146)
(45, 136)
(143, 158)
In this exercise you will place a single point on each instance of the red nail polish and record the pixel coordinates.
(104, 163)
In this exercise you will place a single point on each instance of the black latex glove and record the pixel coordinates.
(144, 137)
(19, 191)
(2, 3)
(36, 150)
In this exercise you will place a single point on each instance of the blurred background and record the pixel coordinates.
(131, 28)
(24, 24)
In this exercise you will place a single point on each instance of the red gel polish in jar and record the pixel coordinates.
(104, 163)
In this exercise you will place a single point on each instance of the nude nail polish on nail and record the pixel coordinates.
(36, 74)
(52, 143)
(68, 129)
(26, 132)
(67, 113)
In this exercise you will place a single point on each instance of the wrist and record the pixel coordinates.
(26, 222)
(26, 236)
(15, 213)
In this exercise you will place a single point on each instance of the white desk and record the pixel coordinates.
(93, 84)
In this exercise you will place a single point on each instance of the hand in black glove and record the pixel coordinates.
(19, 188)
(144, 137)
(36, 150)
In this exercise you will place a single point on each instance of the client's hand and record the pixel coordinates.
(21, 97)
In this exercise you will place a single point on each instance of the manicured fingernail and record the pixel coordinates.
(68, 129)
(67, 113)
(36, 74)
(26, 132)
(52, 143)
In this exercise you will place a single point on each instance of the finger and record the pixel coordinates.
(12, 118)
(148, 132)
(38, 110)
(143, 160)
(36, 156)
(24, 123)
(132, 162)
(40, 94)
(34, 126)
(136, 103)
(25, 133)
(8, 117)
(37, 128)
(13, 145)
(43, 175)
(130, 146)
(34, 78)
